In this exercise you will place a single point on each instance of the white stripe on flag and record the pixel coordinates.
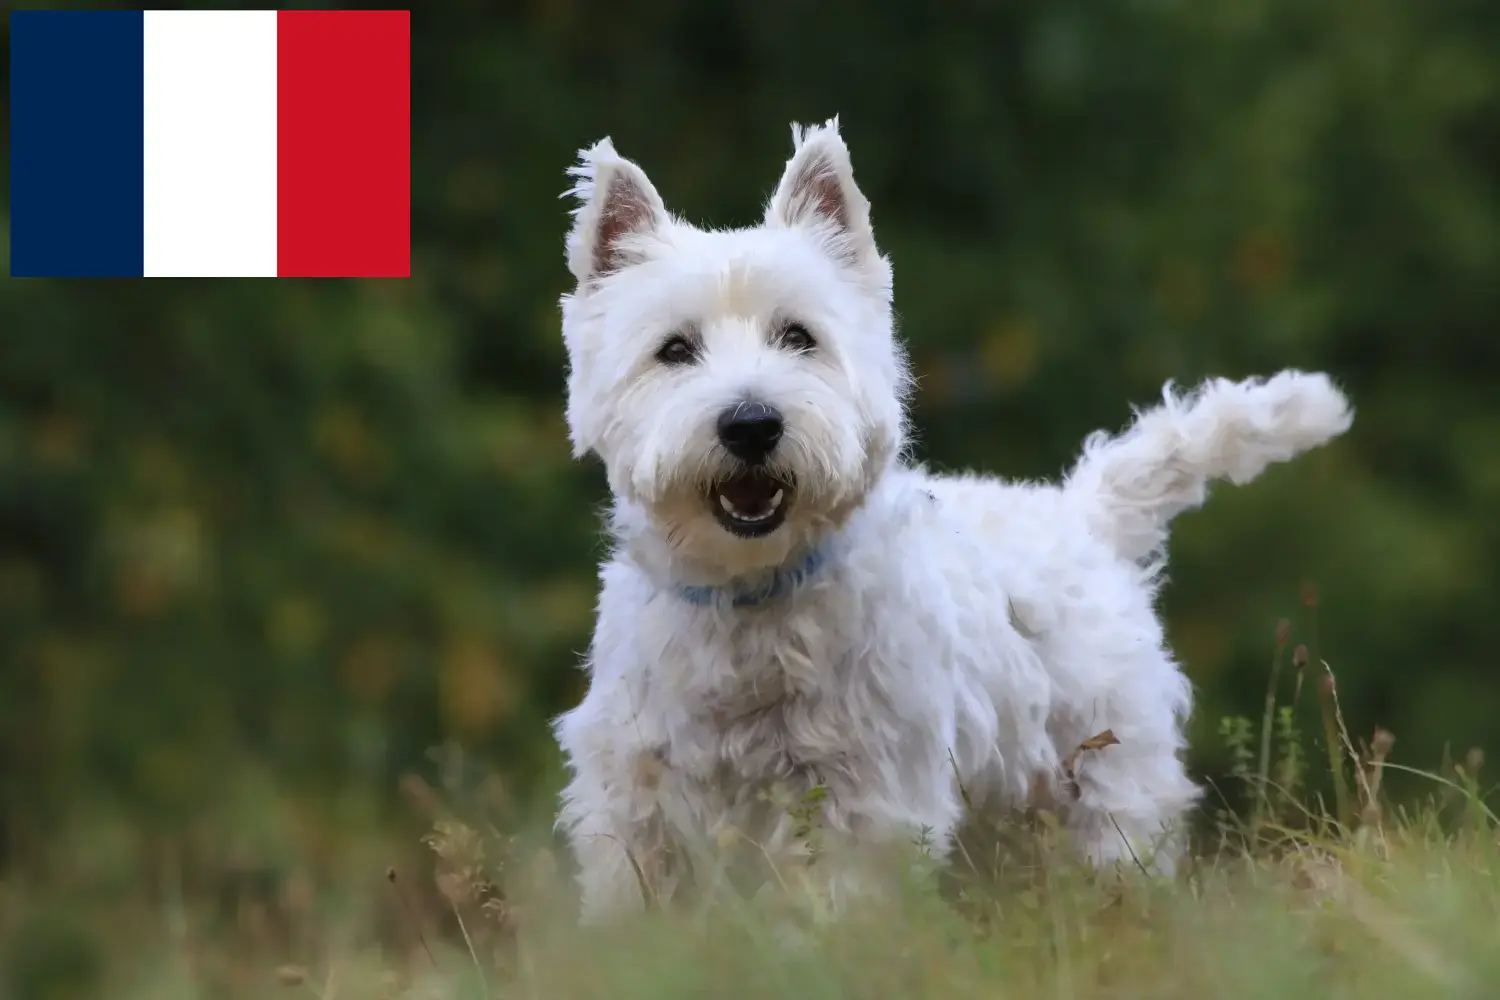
(210, 117)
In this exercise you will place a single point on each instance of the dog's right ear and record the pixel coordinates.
(616, 207)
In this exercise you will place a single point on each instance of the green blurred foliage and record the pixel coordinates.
(302, 530)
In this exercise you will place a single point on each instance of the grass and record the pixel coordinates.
(1285, 897)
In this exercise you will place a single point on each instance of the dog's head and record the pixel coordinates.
(744, 388)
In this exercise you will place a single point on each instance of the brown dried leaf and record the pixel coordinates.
(1096, 742)
(1099, 742)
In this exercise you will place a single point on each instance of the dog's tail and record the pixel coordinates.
(1135, 483)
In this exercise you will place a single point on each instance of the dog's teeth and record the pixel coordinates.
(771, 508)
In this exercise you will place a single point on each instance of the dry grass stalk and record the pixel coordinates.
(1262, 790)
(1371, 773)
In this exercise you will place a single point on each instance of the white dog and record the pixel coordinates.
(789, 603)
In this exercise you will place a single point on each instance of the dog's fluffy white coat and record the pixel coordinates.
(963, 635)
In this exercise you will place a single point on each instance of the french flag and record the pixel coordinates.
(210, 143)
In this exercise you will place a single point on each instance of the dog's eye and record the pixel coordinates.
(677, 351)
(796, 338)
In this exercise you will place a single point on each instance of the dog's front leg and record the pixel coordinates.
(625, 865)
(856, 850)
(620, 835)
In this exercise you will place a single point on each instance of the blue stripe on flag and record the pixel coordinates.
(76, 143)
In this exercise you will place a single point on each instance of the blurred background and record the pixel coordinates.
(263, 544)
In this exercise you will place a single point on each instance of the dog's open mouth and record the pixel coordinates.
(752, 503)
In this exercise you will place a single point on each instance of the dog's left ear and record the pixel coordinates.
(818, 192)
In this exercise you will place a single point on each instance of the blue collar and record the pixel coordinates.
(783, 581)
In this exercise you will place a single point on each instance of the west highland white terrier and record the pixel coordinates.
(790, 604)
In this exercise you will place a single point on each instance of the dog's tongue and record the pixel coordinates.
(750, 495)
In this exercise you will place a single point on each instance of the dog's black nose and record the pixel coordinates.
(750, 431)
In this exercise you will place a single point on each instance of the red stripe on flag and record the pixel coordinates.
(343, 135)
